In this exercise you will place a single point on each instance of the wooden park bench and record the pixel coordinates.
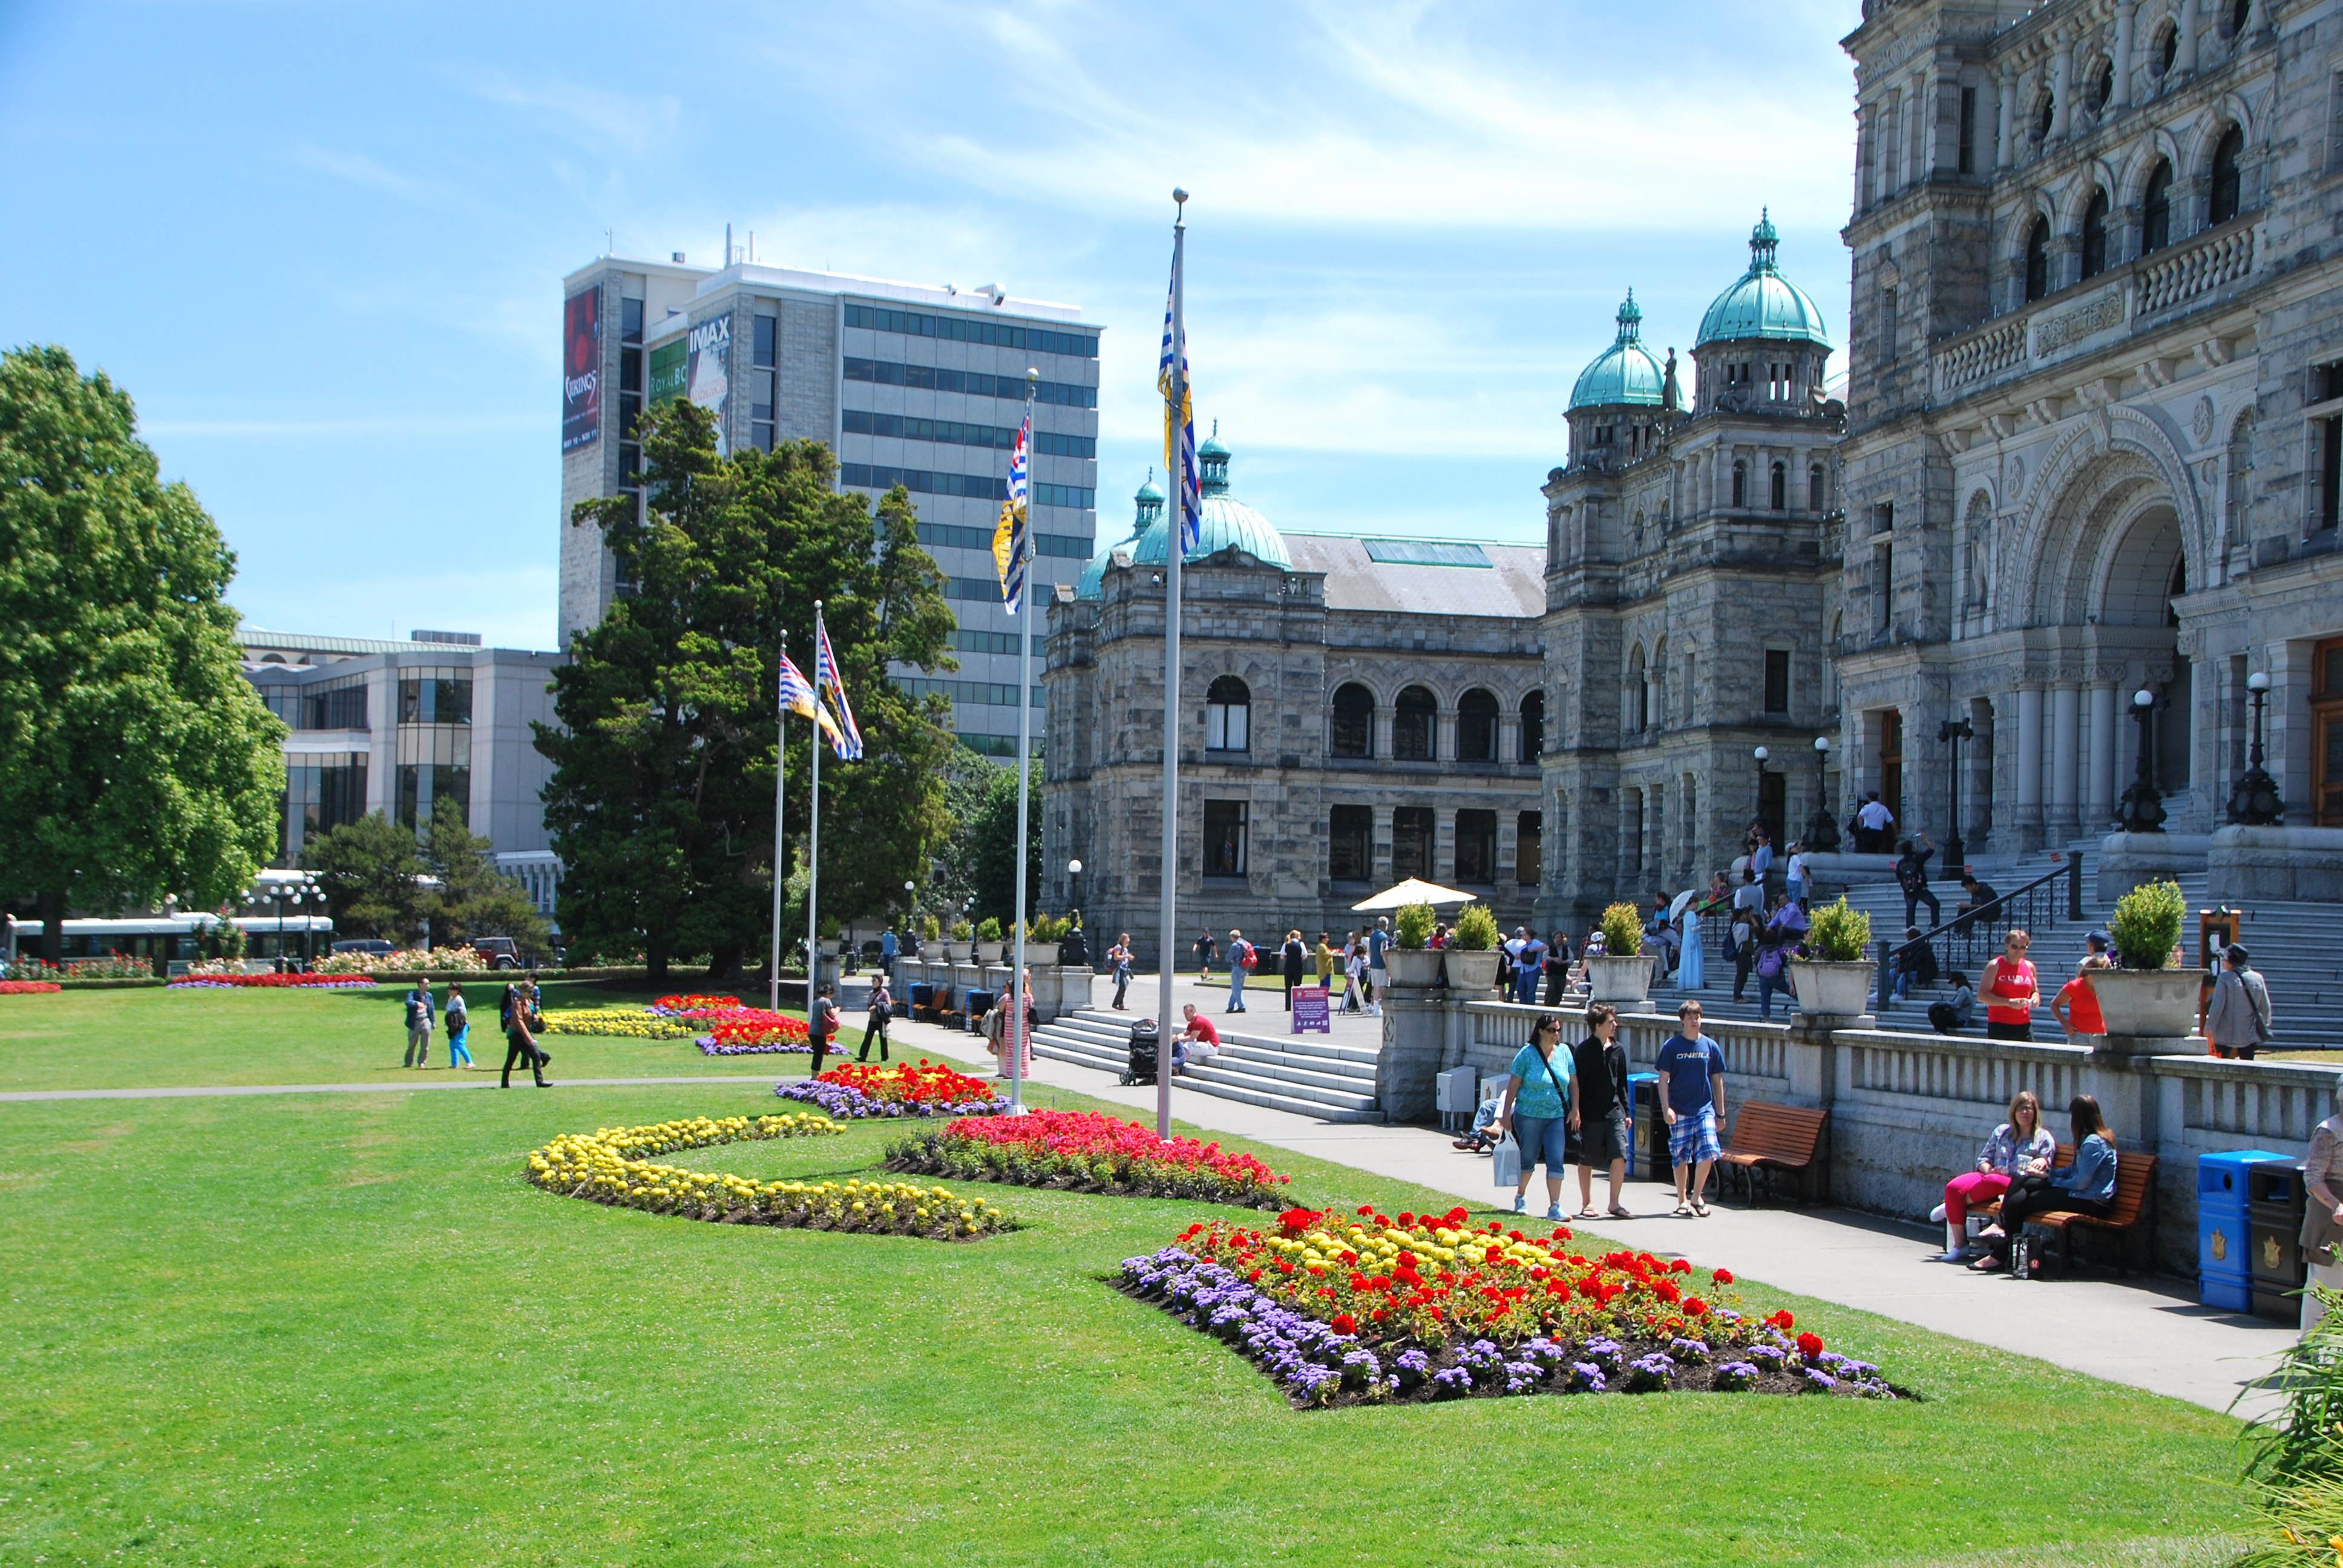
(1769, 1139)
(2123, 1224)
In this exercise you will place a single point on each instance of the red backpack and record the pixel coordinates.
(1251, 955)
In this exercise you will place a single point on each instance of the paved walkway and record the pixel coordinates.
(485, 1080)
(2148, 1333)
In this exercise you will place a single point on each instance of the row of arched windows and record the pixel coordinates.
(1777, 488)
(1415, 723)
(2223, 200)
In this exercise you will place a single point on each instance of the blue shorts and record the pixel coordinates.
(1693, 1137)
(1542, 1138)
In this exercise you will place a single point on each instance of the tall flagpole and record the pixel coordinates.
(1175, 545)
(813, 841)
(781, 865)
(1017, 1025)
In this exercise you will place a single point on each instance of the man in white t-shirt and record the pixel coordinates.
(1876, 821)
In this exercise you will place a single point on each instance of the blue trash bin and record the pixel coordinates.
(2225, 1271)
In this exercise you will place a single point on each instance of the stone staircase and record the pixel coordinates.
(1307, 1077)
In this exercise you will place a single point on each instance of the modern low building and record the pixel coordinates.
(911, 385)
(396, 727)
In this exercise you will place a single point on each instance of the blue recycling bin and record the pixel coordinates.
(2225, 1271)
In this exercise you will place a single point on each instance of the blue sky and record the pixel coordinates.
(322, 245)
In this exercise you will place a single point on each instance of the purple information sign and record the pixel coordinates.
(1311, 1010)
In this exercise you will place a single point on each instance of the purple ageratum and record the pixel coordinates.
(1523, 1377)
(1548, 1353)
(1448, 1382)
(1606, 1353)
(709, 1046)
(1413, 1367)
(1651, 1372)
(1685, 1350)
(1360, 1367)
(1819, 1381)
(1772, 1357)
(1586, 1377)
(1734, 1376)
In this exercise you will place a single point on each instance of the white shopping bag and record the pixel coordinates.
(1505, 1162)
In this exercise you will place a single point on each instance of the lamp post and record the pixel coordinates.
(1758, 815)
(2143, 809)
(1821, 833)
(1951, 733)
(2254, 800)
(1074, 886)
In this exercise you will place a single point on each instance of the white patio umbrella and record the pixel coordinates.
(1415, 890)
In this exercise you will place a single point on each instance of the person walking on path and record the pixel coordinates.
(1604, 1134)
(419, 1008)
(2086, 1187)
(2020, 1146)
(1691, 1072)
(1325, 959)
(1557, 969)
(2011, 990)
(1002, 1033)
(1539, 1110)
(882, 1009)
(1205, 951)
(1379, 941)
(2237, 1018)
(460, 1028)
(821, 1026)
(1242, 957)
(2322, 1215)
(521, 1022)
(1912, 876)
(1118, 959)
(1296, 954)
(1692, 968)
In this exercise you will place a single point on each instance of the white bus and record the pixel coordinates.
(165, 940)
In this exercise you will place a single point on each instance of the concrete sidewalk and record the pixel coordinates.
(2147, 1333)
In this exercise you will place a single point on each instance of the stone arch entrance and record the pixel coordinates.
(2141, 575)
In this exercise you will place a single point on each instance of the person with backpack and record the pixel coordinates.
(2237, 1018)
(420, 1011)
(1118, 959)
(822, 1025)
(1912, 876)
(1540, 1110)
(882, 1009)
(1243, 956)
(521, 1022)
(460, 1028)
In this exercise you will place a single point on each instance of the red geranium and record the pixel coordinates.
(1810, 1345)
(1344, 1323)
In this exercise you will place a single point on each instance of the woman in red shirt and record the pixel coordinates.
(2076, 1005)
(2011, 990)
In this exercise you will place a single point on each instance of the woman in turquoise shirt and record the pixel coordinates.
(1540, 1110)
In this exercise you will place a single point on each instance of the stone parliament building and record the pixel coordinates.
(2090, 446)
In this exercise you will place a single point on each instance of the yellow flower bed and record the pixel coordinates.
(610, 1165)
(625, 1023)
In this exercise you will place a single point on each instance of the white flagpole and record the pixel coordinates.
(781, 865)
(1015, 1032)
(1175, 542)
(813, 841)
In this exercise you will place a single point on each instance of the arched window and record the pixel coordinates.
(2156, 208)
(2094, 235)
(2037, 259)
(1228, 715)
(1413, 723)
(1740, 483)
(2103, 87)
(2240, 478)
(2046, 116)
(1639, 692)
(1781, 493)
(1354, 721)
(2167, 48)
(1476, 727)
(1534, 727)
(2233, 22)
(2228, 184)
(1815, 493)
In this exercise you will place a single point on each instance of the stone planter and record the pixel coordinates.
(1623, 982)
(1833, 990)
(990, 952)
(2157, 1004)
(1472, 973)
(1413, 966)
(1038, 954)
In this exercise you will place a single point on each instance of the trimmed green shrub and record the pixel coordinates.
(987, 930)
(1476, 929)
(1621, 926)
(1840, 934)
(1414, 925)
(2146, 925)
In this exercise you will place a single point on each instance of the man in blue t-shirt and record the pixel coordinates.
(1691, 1073)
(1378, 971)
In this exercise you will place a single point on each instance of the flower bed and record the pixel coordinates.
(754, 1031)
(857, 1090)
(612, 1166)
(405, 960)
(28, 987)
(696, 1004)
(1086, 1151)
(113, 966)
(1369, 1310)
(616, 1023)
(271, 982)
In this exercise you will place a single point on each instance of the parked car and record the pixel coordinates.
(499, 951)
(374, 945)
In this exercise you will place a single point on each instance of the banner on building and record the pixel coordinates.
(709, 376)
(581, 368)
(668, 369)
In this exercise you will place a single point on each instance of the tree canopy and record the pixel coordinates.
(661, 801)
(136, 760)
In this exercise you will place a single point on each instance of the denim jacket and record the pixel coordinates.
(2092, 1176)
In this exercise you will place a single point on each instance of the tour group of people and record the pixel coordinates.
(519, 1017)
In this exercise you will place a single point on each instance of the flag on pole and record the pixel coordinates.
(847, 739)
(1008, 535)
(1180, 421)
(798, 697)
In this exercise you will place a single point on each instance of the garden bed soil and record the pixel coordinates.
(910, 1162)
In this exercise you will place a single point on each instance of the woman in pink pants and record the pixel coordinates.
(2018, 1147)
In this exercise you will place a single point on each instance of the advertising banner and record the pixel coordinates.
(581, 368)
(667, 372)
(710, 375)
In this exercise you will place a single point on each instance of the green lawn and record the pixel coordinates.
(339, 1328)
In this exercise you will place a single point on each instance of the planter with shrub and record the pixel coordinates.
(1834, 981)
(2152, 997)
(1472, 951)
(1621, 974)
(1410, 959)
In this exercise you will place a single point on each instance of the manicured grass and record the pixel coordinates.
(135, 1038)
(340, 1329)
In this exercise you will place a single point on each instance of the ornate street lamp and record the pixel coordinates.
(2253, 801)
(1074, 880)
(1821, 833)
(1951, 733)
(2143, 808)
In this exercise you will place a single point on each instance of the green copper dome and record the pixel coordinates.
(1764, 304)
(1228, 524)
(1147, 505)
(1623, 373)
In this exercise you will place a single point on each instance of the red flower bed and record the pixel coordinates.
(1094, 1151)
(755, 1026)
(698, 1004)
(26, 986)
(924, 1082)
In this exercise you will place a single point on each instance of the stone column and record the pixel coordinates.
(2005, 140)
(2103, 759)
(2125, 13)
(2065, 752)
(1415, 1040)
(2029, 766)
(2191, 24)
(2062, 83)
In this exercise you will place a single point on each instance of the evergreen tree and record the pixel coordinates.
(661, 801)
(136, 760)
(474, 898)
(989, 835)
(369, 869)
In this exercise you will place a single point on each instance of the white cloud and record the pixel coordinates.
(599, 119)
(358, 169)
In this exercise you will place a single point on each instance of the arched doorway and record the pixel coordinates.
(2147, 573)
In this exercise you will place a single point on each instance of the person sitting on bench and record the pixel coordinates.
(2020, 1146)
(2086, 1187)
